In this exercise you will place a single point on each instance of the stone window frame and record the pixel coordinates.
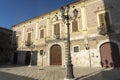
(29, 30)
(101, 12)
(78, 24)
(103, 29)
(57, 22)
(41, 27)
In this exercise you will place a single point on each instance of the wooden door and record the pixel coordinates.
(109, 55)
(55, 55)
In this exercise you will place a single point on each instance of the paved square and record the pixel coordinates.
(13, 72)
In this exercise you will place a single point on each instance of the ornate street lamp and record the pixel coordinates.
(42, 53)
(66, 18)
(86, 42)
(30, 45)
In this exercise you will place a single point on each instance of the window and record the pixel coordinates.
(42, 33)
(29, 37)
(76, 49)
(41, 52)
(74, 26)
(104, 20)
(17, 40)
(57, 30)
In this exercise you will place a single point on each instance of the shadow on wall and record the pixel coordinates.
(25, 57)
(110, 29)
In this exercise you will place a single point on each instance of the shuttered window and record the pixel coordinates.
(57, 30)
(42, 33)
(74, 26)
(104, 20)
(29, 37)
(17, 39)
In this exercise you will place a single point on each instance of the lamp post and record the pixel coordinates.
(87, 48)
(66, 18)
(30, 45)
(42, 53)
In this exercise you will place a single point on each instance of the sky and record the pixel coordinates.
(15, 11)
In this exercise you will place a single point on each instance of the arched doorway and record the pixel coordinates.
(109, 55)
(27, 57)
(15, 58)
(55, 55)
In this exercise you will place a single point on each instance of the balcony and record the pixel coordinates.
(103, 30)
(55, 38)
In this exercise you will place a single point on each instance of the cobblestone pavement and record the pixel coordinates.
(55, 73)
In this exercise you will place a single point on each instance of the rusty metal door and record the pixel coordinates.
(109, 55)
(55, 55)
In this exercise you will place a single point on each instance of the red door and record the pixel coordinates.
(109, 55)
(55, 55)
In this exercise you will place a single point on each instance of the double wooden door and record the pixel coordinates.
(110, 55)
(55, 55)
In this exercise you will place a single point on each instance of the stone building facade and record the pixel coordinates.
(5, 45)
(94, 36)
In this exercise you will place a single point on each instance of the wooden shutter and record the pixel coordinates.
(29, 37)
(74, 26)
(57, 29)
(102, 19)
(42, 33)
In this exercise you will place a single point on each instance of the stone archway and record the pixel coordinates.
(27, 57)
(109, 52)
(55, 55)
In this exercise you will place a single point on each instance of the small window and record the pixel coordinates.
(76, 49)
(42, 52)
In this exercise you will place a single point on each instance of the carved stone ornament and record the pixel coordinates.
(18, 32)
(29, 29)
